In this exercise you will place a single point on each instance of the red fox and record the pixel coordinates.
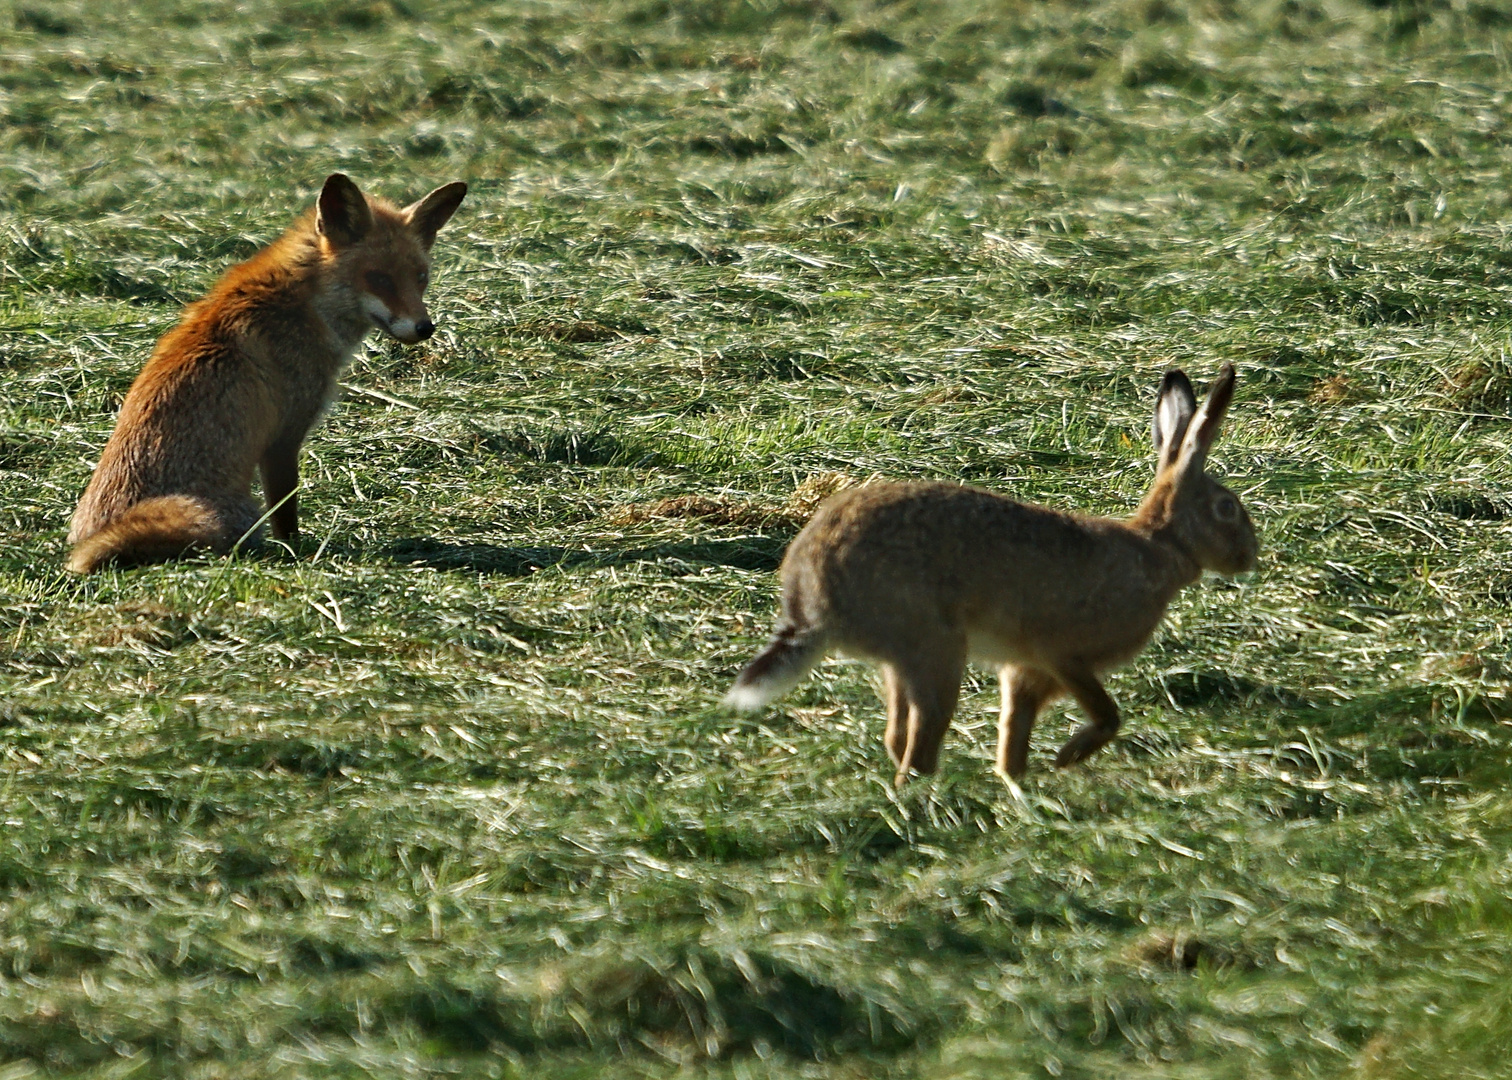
(246, 373)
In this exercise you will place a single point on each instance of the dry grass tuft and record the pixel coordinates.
(571, 331)
(1178, 950)
(138, 623)
(1335, 390)
(814, 489)
(710, 510)
(1482, 384)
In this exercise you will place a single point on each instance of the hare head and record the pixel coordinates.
(1186, 505)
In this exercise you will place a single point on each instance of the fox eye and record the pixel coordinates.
(1226, 509)
(378, 281)
(424, 277)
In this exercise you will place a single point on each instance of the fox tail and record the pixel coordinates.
(153, 530)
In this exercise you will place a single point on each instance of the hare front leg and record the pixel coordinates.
(1025, 692)
(1102, 712)
(931, 684)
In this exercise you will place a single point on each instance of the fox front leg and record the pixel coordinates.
(280, 477)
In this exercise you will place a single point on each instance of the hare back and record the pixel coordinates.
(889, 569)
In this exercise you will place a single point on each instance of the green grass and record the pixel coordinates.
(450, 793)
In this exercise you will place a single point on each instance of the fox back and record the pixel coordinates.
(235, 387)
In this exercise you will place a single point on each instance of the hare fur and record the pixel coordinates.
(919, 578)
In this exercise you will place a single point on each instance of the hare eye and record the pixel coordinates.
(1226, 509)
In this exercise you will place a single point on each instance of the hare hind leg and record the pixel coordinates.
(1025, 692)
(931, 685)
(1103, 721)
(896, 736)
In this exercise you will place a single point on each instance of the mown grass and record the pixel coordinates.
(448, 791)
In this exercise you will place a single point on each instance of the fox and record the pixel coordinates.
(238, 383)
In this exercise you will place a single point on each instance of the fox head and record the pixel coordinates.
(382, 252)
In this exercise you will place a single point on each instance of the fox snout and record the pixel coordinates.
(409, 331)
(405, 328)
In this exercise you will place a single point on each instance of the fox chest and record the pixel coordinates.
(302, 389)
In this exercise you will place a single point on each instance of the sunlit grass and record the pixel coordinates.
(447, 791)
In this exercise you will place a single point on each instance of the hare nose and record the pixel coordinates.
(424, 329)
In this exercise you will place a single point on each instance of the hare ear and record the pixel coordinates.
(1174, 406)
(342, 215)
(1202, 432)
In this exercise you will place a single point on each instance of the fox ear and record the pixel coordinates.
(342, 215)
(428, 215)
(1174, 406)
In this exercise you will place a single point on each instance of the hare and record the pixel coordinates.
(919, 577)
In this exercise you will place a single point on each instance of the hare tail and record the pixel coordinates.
(776, 668)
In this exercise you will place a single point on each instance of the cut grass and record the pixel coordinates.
(447, 790)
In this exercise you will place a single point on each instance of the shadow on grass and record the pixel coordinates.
(744, 552)
(689, 1001)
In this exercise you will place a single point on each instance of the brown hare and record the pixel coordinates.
(920, 577)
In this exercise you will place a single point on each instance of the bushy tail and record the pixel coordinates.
(777, 668)
(153, 530)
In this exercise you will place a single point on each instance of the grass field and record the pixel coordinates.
(450, 793)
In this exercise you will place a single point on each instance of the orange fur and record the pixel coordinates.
(238, 383)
